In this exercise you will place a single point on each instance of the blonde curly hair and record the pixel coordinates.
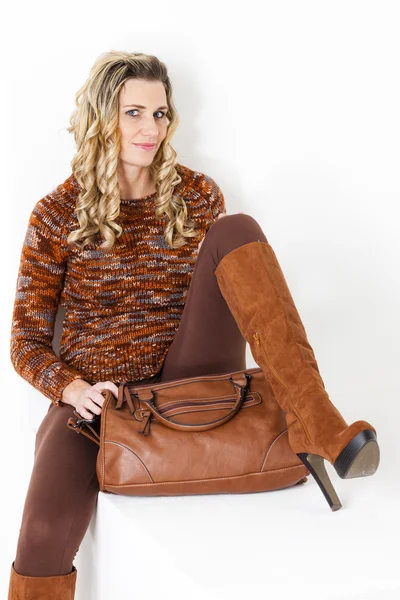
(95, 125)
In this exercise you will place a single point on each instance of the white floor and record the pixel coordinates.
(284, 544)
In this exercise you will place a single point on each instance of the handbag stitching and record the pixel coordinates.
(210, 479)
(134, 453)
(272, 443)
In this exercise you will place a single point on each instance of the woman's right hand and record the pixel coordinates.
(86, 398)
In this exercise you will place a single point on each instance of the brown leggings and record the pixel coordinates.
(63, 487)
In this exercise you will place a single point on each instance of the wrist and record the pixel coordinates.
(70, 391)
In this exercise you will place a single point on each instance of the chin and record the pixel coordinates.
(134, 161)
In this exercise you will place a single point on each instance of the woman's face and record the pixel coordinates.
(146, 123)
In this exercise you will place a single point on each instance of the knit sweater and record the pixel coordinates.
(122, 305)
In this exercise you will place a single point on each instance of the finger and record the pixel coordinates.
(93, 406)
(114, 389)
(97, 396)
(110, 385)
(100, 386)
(85, 414)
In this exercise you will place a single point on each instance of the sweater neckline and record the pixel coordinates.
(143, 198)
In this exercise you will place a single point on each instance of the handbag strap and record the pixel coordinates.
(78, 426)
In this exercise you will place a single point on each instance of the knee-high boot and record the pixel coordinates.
(58, 587)
(255, 289)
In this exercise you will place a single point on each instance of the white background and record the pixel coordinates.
(293, 108)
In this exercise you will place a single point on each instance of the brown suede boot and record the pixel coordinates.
(255, 289)
(60, 587)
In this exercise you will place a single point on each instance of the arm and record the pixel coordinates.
(217, 202)
(38, 288)
(217, 206)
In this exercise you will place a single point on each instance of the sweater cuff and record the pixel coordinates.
(57, 384)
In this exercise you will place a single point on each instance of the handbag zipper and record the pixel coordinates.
(194, 404)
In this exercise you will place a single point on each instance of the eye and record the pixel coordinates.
(135, 109)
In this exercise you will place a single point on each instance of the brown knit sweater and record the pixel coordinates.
(122, 306)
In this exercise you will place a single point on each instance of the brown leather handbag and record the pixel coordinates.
(210, 434)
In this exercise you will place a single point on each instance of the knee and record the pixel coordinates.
(240, 228)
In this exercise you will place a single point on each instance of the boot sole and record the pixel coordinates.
(359, 458)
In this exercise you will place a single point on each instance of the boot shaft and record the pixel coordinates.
(58, 587)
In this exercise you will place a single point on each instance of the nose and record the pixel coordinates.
(149, 126)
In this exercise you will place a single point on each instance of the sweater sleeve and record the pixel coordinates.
(38, 289)
(217, 202)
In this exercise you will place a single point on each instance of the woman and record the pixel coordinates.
(117, 244)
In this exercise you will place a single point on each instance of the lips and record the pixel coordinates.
(145, 145)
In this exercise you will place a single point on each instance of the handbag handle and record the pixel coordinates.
(78, 424)
(240, 395)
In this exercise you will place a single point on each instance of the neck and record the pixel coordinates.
(135, 183)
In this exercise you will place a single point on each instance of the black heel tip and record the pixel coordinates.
(360, 458)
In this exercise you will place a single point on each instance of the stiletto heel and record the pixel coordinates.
(315, 464)
(359, 458)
